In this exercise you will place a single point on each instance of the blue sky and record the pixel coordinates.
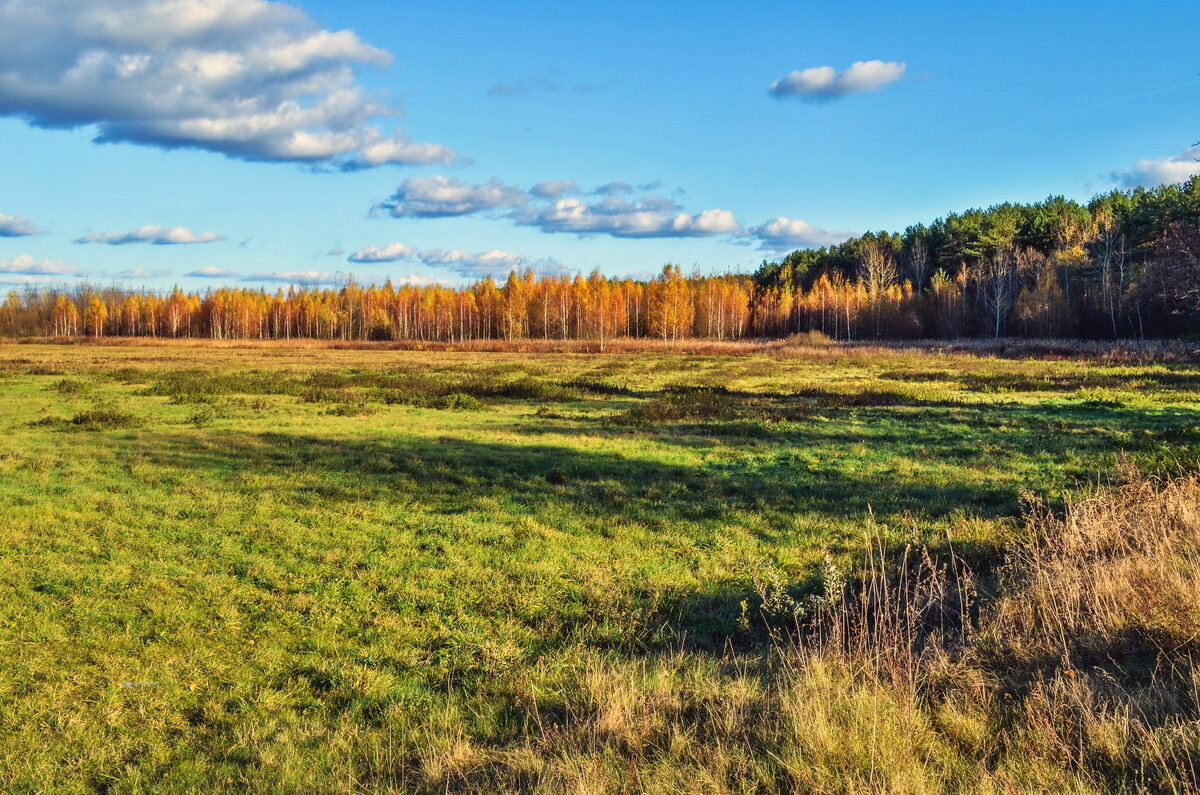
(275, 129)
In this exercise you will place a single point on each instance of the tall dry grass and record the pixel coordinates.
(1074, 671)
(811, 344)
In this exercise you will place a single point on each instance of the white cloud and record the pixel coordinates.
(788, 234)
(825, 82)
(441, 197)
(553, 189)
(294, 277)
(649, 217)
(140, 273)
(417, 280)
(250, 79)
(30, 281)
(25, 264)
(613, 188)
(543, 206)
(13, 226)
(466, 264)
(392, 252)
(157, 235)
(211, 272)
(1163, 171)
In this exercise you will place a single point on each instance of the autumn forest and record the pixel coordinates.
(1125, 265)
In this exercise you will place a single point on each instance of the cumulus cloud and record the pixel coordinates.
(13, 226)
(442, 197)
(613, 188)
(392, 252)
(27, 265)
(1163, 171)
(825, 82)
(140, 273)
(211, 272)
(545, 207)
(553, 189)
(465, 263)
(251, 79)
(418, 280)
(468, 265)
(294, 277)
(651, 216)
(788, 234)
(156, 235)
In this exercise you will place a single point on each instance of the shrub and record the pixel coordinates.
(360, 409)
(204, 417)
(105, 417)
(455, 401)
(809, 339)
(70, 386)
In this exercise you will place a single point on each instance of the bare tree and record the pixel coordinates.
(877, 267)
(1112, 259)
(877, 270)
(999, 287)
(917, 263)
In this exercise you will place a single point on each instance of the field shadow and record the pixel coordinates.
(774, 482)
(597, 490)
(968, 433)
(453, 474)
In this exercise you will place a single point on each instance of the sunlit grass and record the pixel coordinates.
(322, 569)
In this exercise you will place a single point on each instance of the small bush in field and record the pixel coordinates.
(360, 409)
(204, 417)
(70, 386)
(455, 401)
(105, 418)
(809, 339)
(683, 403)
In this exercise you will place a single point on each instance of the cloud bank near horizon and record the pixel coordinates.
(26, 265)
(547, 207)
(154, 235)
(1152, 172)
(466, 264)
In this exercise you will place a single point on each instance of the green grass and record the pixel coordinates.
(326, 570)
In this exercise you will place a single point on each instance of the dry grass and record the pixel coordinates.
(810, 345)
(1079, 676)
(1122, 568)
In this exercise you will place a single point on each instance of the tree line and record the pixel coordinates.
(670, 307)
(1126, 264)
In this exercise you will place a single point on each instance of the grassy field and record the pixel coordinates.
(296, 569)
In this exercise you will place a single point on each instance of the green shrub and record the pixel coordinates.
(105, 417)
(70, 386)
(455, 401)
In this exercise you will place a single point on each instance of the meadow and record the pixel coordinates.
(799, 567)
